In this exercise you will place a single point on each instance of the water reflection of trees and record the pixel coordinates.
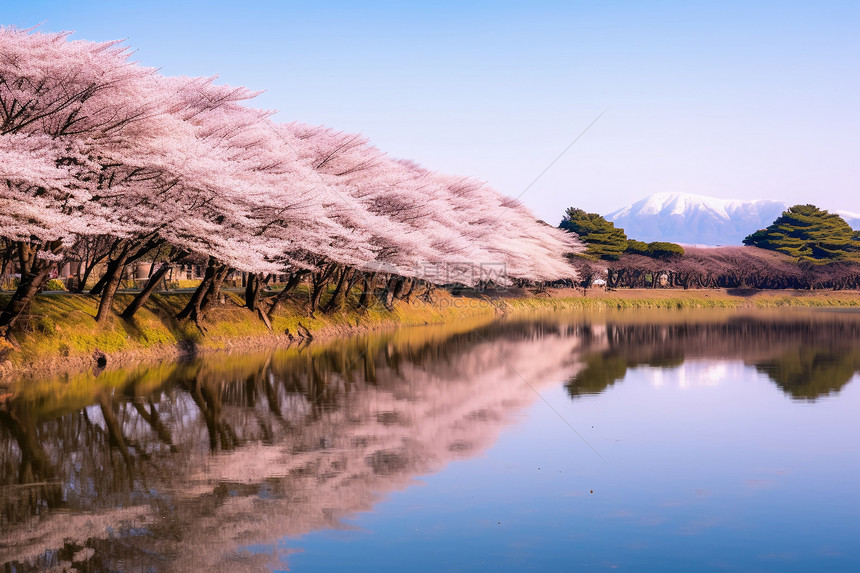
(175, 466)
(812, 372)
(166, 468)
(807, 358)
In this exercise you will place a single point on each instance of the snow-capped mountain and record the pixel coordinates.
(695, 219)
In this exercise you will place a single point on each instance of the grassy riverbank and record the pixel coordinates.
(570, 299)
(61, 332)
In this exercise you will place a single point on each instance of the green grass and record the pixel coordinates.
(64, 325)
(717, 300)
(585, 303)
(809, 302)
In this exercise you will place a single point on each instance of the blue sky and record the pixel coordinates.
(730, 99)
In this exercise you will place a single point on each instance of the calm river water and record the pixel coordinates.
(645, 442)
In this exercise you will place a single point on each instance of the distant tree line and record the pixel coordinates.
(805, 248)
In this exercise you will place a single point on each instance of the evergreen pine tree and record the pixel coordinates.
(808, 233)
(602, 239)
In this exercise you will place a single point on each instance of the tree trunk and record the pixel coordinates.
(252, 291)
(8, 256)
(335, 297)
(88, 264)
(254, 285)
(398, 288)
(123, 247)
(206, 293)
(114, 274)
(427, 295)
(351, 282)
(82, 278)
(278, 299)
(34, 275)
(27, 289)
(407, 294)
(319, 280)
(211, 295)
(612, 278)
(193, 305)
(388, 293)
(143, 296)
(314, 299)
(367, 298)
(125, 250)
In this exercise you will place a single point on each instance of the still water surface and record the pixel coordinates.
(665, 442)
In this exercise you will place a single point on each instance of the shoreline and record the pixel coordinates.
(62, 336)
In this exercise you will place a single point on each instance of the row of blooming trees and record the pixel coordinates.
(723, 267)
(106, 161)
(805, 248)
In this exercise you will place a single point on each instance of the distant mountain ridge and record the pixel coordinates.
(700, 220)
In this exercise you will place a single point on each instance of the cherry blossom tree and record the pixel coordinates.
(123, 163)
(62, 104)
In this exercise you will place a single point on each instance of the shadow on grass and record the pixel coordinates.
(744, 292)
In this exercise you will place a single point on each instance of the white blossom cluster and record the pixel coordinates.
(92, 144)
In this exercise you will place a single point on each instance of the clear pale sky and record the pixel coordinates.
(749, 100)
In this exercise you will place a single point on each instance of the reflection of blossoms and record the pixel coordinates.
(303, 440)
